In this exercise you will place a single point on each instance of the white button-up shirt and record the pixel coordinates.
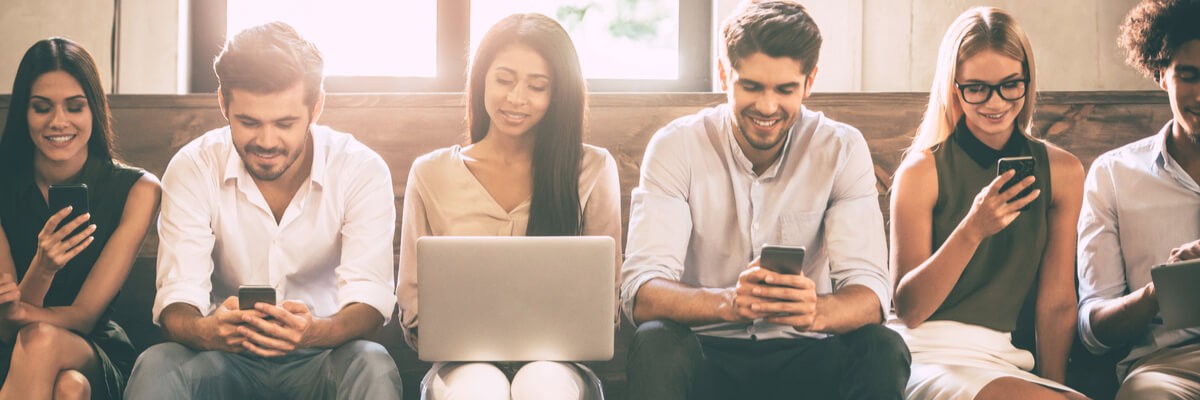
(1138, 204)
(332, 246)
(701, 214)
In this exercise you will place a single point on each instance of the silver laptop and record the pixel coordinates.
(500, 298)
(1175, 285)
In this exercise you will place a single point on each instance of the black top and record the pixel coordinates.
(1004, 269)
(23, 213)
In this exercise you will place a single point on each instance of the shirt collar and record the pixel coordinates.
(983, 155)
(1162, 158)
(235, 168)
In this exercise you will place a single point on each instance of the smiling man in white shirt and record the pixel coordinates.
(718, 185)
(1140, 208)
(272, 199)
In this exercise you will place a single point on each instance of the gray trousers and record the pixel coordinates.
(356, 370)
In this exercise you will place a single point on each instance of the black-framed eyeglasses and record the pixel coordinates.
(979, 93)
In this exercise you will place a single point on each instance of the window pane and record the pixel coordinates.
(357, 37)
(616, 39)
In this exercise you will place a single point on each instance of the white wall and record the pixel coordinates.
(23, 22)
(891, 45)
(152, 34)
(151, 37)
(870, 45)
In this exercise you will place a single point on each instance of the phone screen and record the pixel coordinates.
(249, 295)
(1023, 167)
(76, 196)
(782, 259)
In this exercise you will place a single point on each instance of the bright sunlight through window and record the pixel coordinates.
(615, 39)
(357, 37)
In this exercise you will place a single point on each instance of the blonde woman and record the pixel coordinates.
(967, 250)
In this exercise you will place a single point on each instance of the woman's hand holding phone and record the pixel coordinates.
(56, 247)
(994, 209)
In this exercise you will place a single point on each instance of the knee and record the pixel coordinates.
(880, 344)
(663, 339)
(548, 380)
(469, 381)
(1147, 386)
(162, 357)
(370, 357)
(71, 384)
(40, 339)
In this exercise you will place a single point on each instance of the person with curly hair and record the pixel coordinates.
(1120, 240)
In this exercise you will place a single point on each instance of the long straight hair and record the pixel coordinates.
(48, 55)
(558, 137)
(976, 30)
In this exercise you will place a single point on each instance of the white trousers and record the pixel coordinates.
(533, 381)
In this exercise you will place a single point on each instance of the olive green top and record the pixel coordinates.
(995, 283)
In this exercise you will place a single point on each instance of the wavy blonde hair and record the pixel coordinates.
(976, 30)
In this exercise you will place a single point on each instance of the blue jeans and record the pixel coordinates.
(356, 370)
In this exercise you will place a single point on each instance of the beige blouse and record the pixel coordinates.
(443, 198)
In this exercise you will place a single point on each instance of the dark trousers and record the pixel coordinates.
(668, 361)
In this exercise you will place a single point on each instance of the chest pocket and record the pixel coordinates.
(800, 228)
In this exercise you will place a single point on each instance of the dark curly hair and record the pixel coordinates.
(1155, 29)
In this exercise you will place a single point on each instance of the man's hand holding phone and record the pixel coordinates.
(774, 287)
(220, 330)
(284, 332)
(789, 299)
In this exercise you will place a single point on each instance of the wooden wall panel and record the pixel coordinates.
(401, 127)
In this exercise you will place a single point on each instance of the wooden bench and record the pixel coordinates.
(400, 127)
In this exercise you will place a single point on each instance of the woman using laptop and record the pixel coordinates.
(526, 172)
(966, 247)
(60, 274)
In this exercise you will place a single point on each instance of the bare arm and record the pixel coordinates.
(662, 298)
(10, 294)
(1056, 301)
(1118, 321)
(848, 309)
(924, 277)
(353, 322)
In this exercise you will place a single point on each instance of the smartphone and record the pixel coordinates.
(74, 195)
(782, 259)
(1024, 168)
(249, 295)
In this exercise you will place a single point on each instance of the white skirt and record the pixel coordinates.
(954, 360)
